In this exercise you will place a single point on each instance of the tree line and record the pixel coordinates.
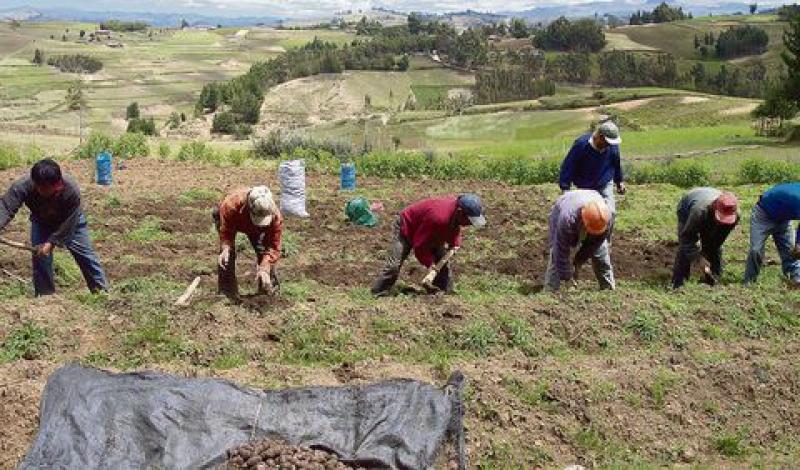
(73, 63)
(585, 35)
(124, 26)
(663, 13)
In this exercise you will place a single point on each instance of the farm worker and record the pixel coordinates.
(773, 215)
(580, 219)
(593, 162)
(56, 220)
(427, 227)
(253, 212)
(707, 215)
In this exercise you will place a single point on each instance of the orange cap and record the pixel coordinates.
(595, 216)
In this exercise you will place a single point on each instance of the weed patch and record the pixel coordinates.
(24, 342)
(148, 230)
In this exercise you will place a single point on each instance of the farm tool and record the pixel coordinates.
(427, 281)
(17, 245)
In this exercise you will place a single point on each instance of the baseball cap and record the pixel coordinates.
(610, 131)
(262, 206)
(595, 216)
(726, 208)
(471, 205)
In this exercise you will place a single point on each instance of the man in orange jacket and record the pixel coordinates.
(253, 212)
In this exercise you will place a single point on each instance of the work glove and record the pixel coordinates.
(264, 280)
(224, 257)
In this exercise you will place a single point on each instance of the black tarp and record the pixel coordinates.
(93, 419)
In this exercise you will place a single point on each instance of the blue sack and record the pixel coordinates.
(348, 177)
(104, 168)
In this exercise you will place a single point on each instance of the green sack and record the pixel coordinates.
(357, 211)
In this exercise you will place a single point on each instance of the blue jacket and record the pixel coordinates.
(782, 203)
(587, 168)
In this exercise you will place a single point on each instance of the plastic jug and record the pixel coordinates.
(104, 168)
(348, 177)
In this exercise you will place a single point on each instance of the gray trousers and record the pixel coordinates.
(761, 227)
(399, 249)
(601, 265)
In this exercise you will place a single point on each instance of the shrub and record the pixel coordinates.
(75, 63)
(27, 341)
(97, 142)
(276, 144)
(12, 156)
(131, 145)
(142, 125)
(681, 173)
(164, 150)
(761, 171)
(198, 151)
(224, 123)
(132, 111)
(175, 120)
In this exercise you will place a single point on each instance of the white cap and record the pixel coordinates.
(262, 206)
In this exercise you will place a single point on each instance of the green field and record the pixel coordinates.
(163, 73)
(677, 38)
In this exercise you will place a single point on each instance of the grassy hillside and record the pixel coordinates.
(163, 73)
(677, 38)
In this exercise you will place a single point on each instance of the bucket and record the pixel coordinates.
(348, 177)
(104, 168)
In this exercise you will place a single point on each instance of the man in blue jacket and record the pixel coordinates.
(593, 162)
(773, 215)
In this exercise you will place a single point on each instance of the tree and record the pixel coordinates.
(584, 35)
(184, 23)
(791, 57)
(741, 41)
(414, 23)
(519, 29)
(696, 42)
(132, 112)
(75, 98)
(753, 8)
(63, 38)
(82, 33)
(38, 57)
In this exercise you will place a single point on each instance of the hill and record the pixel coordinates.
(677, 38)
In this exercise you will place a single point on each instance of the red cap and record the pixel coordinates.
(726, 208)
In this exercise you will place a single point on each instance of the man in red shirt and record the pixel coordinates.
(429, 227)
(254, 213)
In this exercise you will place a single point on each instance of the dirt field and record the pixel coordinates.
(554, 379)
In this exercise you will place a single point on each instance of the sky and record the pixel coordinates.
(301, 8)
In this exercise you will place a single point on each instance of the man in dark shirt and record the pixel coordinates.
(593, 162)
(707, 215)
(56, 220)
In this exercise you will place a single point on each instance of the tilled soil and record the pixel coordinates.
(598, 375)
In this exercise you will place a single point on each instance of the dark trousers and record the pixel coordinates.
(399, 249)
(711, 237)
(81, 249)
(227, 283)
